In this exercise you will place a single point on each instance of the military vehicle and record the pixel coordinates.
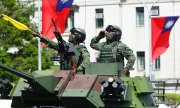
(101, 85)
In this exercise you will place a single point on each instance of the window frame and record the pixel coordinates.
(157, 64)
(139, 17)
(99, 17)
(140, 61)
(154, 8)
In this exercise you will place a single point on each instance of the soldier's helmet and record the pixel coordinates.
(80, 34)
(116, 29)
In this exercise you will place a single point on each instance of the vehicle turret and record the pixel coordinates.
(35, 81)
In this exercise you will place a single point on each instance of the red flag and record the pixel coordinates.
(57, 10)
(161, 28)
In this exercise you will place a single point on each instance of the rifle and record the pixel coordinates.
(66, 51)
(61, 42)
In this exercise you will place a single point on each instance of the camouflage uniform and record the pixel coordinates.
(79, 47)
(122, 49)
(113, 50)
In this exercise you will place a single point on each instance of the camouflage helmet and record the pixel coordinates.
(116, 29)
(80, 34)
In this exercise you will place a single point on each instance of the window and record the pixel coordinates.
(141, 61)
(156, 64)
(155, 11)
(139, 16)
(70, 20)
(99, 18)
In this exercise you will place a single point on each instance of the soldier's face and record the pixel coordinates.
(71, 38)
(110, 36)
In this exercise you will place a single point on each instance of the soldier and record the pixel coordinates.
(114, 47)
(76, 37)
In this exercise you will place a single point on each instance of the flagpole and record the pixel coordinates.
(39, 42)
(149, 62)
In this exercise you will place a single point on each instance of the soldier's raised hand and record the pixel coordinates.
(101, 34)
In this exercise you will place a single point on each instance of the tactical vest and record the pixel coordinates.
(109, 53)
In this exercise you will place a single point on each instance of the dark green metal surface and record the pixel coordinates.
(102, 86)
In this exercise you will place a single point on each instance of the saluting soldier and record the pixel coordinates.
(114, 47)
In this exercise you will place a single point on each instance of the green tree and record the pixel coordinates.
(25, 59)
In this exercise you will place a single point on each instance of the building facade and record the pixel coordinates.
(133, 17)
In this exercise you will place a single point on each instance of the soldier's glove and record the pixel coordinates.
(126, 72)
(101, 35)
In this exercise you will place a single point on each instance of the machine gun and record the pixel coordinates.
(61, 42)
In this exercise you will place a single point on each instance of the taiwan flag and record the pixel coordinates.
(161, 28)
(57, 10)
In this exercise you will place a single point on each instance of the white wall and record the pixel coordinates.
(177, 41)
(132, 36)
(137, 38)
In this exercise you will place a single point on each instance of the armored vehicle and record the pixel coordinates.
(98, 87)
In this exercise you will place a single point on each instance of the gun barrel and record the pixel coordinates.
(20, 74)
(57, 34)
